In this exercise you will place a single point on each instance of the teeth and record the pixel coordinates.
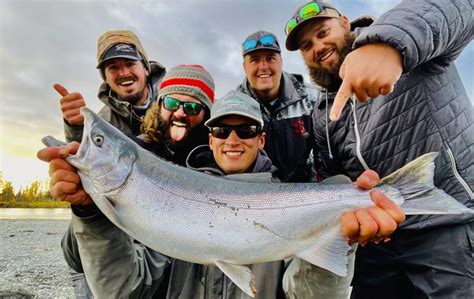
(326, 55)
(233, 153)
(179, 124)
(127, 82)
(263, 76)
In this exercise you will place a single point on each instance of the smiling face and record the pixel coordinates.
(233, 154)
(263, 69)
(178, 123)
(128, 79)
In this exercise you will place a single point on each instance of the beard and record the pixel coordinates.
(133, 99)
(329, 78)
(195, 136)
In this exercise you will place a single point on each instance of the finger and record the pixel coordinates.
(350, 225)
(78, 198)
(386, 224)
(65, 175)
(61, 189)
(61, 89)
(343, 94)
(49, 153)
(368, 179)
(368, 226)
(59, 163)
(386, 89)
(361, 93)
(389, 206)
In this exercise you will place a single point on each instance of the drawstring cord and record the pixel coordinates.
(357, 136)
(327, 126)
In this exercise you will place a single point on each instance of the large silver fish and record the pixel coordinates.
(204, 219)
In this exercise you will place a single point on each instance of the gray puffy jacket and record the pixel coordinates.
(428, 111)
(119, 113)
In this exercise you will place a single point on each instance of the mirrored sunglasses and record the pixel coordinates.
(242, 131)
(264, 40)
(190, 108)
(305, 12)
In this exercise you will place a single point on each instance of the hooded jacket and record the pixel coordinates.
(121, 114)
(124, 268)
(428, 110)
(287, 123)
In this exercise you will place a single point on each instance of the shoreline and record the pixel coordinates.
(35, 214)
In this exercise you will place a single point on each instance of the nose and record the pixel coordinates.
(180, 113)
(263, 65)
(318, 48)
(123, 71)
(233, 139)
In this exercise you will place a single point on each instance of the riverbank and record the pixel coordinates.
(35, 214)
(31, 261)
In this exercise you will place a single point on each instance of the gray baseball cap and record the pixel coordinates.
(260, 40)
(235, 103)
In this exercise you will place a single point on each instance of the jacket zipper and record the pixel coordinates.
(456, 173)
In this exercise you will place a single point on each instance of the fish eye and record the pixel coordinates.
(98, 140)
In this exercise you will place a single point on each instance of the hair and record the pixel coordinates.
(152, 125)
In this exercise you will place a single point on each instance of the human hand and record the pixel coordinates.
(65, 182)
(71, 104)
(376, 223)
(368, 71)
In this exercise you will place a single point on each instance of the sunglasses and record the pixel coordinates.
(305, 12)
(190, 108)
(242, 131)
(264, 40)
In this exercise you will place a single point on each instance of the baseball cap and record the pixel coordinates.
(235, 103)
(304, 13)
(120, 44)
(260, 40)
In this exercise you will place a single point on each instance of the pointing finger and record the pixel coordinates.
(343, 94)
(61, 89)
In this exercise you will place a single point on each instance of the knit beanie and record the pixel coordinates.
(189, 79)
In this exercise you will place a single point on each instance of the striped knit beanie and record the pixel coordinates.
(189, 79)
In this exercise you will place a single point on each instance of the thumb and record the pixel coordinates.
(61, 89)
(343, 94)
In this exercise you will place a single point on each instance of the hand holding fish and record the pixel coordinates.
(375, 223)
(71, 104)
(65, 182)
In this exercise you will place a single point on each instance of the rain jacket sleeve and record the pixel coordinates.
(424, 31)
(114, 264)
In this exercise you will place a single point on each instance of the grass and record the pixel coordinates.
(35, 204)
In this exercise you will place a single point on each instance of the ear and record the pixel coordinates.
(211, 141)
(345, 22)
(261, 141)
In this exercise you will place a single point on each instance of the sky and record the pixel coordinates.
(43, 42)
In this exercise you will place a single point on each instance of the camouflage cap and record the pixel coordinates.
(111, 38)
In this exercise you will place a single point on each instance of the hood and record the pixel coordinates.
(157, 71)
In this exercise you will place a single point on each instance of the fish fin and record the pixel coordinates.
(415, 183)
(330, 252)
(337, 179)
(52, 141)
(288, 282)
(240, 275)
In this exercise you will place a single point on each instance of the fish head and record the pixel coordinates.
(105, 157)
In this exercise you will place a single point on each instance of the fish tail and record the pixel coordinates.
(415, 183)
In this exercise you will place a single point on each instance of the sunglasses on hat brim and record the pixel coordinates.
(308, 11)
(242, 131)
(190, 108)
(264, 40)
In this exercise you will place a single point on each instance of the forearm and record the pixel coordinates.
(421, 30)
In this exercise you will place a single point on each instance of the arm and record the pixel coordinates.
(115, 265)
(428, 34)
(71, 104)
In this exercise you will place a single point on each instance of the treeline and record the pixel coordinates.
(34, 196)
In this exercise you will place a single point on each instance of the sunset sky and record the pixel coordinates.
(43, 42)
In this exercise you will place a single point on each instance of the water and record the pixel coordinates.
(42, 214)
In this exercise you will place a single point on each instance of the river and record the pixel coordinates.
(34, 214)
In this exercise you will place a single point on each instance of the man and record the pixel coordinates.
(130, 84)
(404, 62)
(286, 104)
(236, 142)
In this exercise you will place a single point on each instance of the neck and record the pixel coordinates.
(269, 96)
